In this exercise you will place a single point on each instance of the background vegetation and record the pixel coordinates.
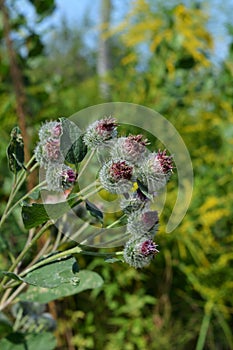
(159, 57)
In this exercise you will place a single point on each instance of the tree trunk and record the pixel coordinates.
(16, 77)
(17, 81)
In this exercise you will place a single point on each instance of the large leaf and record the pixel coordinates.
(15, 151)
(72, 145)
(19, 341)
(37, 214)
(53, 274)
(88, 280)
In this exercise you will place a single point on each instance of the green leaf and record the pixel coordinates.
(94, 211)
(88, 280)
(53, 274)
(15, 151)
(143, 188)
(34, 45)
(37, 214)
(11, 275)
(35, 195)
(19, 341)
(45, 7)
(72, 145)
(77, 152)
(5, 325)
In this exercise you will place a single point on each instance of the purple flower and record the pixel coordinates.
(60, 177)
(155, 171)
(57, 130)
(120, 170)
(106, 127)
(165, 161)
(134, 202)
(100, 131)
(116, 176)
(48, 148)
(139, 252)
(148, 248)
(52, 150)
(50, 129)
(68, 177)
(131, 148)
(144, 223)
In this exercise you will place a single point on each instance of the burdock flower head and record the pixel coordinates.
(134, 202)
(60, 177)
(100, 131)
(47, 150)
(116, 176)
(139, 252)
(145, 223)
(132, 148)
(50, 130)
(155, 171)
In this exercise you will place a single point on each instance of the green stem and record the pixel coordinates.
(24, 251)
(52, 258)
(203, 331)
(11, 197)
(78, 194)
(87, 162)
(78, 232)
(117, 221)
(4, 303)
(97, 233)
(91, 193)
(76, 250)
(23, 177)
(26, 196)
(18, 181)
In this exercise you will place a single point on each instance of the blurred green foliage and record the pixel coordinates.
(161, 60)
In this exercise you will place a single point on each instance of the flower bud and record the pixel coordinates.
(48, 149)
(50, 130)
(145, 223)
(60, 177)
(139, 252)
(131, 148)
(155, 171)
(100, 131)
(134, 202)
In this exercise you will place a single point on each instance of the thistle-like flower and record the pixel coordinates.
(60, 177)
(131, 148)
(116, 176)
(100, 131)
(139, 252)
(155, 171)
(145, 223)
(47, 150)
(50, 130)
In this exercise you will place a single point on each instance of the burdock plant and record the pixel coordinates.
(63, 153)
